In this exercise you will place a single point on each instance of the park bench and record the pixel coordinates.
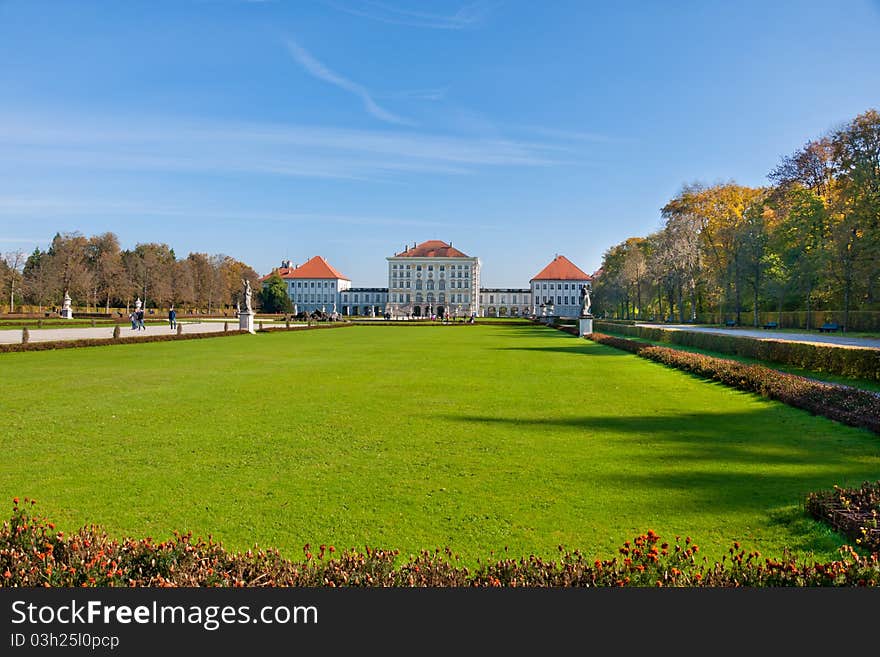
(829, 327)
(771, 325)
(730, 322)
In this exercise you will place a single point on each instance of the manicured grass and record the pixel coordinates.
(474, 437)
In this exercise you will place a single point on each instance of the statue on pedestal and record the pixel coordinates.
(66, 312)
(247, 296)
(586, 302)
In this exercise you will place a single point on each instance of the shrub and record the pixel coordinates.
(848, 361)
(853, 511)
(858, 408)
(33, 553)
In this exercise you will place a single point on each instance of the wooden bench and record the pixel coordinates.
(829, 327)
(771, 325)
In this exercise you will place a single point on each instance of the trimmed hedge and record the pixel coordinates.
(103, 342)
(34, 554)
(853, 511)
(858, 362)
(328, 325)
(858, 408)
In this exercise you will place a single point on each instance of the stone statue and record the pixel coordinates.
(66, 312)
(586, 303)
(137, 304)
(247, 296)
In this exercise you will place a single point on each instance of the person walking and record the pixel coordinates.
(140, 320)
(172, 317)
(134, 320)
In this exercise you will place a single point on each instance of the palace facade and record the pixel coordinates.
(434, 279)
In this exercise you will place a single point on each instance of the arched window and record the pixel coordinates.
(442, 285)
(419, 285)
(430, 285)
(419, 297)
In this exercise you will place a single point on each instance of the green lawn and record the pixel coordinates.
(476, 437)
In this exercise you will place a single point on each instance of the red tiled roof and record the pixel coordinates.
(316, 267)
(562, 269)
(432, 249)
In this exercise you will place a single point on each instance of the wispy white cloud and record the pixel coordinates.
(103, 143)
(46, 207)
(315, 68)
(418, 94)
(468, 16)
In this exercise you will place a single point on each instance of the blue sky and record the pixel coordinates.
(518, 130)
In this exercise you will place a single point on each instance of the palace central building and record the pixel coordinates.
(433, 278)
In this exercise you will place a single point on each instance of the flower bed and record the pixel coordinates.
(856, 362)
(858, 408)
(34, 554)
(854, 512)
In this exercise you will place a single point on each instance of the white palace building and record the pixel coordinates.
(433, 279)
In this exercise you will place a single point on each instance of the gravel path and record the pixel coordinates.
(53, 335)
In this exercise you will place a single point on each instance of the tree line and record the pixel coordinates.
(809, 241)
(100, 275)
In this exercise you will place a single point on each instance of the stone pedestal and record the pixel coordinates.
(246, 322)
(585, 325)
(66, 312)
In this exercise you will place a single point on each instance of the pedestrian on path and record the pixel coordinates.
(134, 319)
(140, 319)
(172, 318)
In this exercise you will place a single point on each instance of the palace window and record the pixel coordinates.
(442, 284)
(418, 285)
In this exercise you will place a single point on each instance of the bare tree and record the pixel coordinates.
(14, 261)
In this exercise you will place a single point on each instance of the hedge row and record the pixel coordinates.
(102, 342)
(856, 362)
(34, 554)
(858, 408)
(854, 512)
(300, 327)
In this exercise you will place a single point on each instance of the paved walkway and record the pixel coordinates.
(838, 339)
(11, 336)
